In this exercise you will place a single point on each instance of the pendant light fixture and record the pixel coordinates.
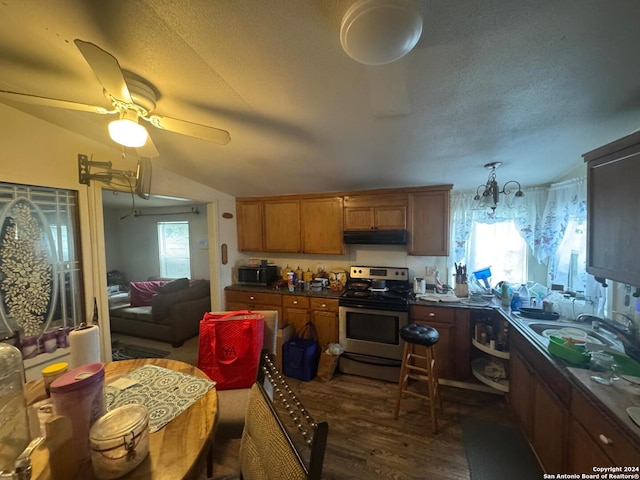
(490, 196)
(376, 32)
(127, 131)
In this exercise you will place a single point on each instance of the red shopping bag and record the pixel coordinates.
(229, 348)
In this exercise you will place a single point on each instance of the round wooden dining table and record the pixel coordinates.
(179, 450)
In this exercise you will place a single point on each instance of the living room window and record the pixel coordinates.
(173, 245)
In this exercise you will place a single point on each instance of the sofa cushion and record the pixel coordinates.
(142, 292)
(174, 285)
(141, 314)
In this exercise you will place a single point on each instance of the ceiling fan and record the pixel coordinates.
(132, 98)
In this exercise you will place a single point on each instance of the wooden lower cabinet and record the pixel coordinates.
(521, 390)
(452, 349)
(584, 453)
(549, 430)
(242, 300)
(569, 432)
(322, 312)
(543, 415)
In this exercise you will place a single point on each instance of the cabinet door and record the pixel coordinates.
(321, 225)
(612, 215)
(326, 324)
(550, 420)
(250, 226)
(428, 223)
(282, 226)
(584, 453)
(521, 391)
(445, 350)
(391, 218)
(359, 218)
(297, 317)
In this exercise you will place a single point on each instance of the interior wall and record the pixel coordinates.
(35, 152)
(133, 241)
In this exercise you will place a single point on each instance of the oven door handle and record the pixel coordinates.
(384, 362)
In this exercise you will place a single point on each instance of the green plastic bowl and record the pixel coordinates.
(570, 352)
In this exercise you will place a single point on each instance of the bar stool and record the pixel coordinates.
(414, 336)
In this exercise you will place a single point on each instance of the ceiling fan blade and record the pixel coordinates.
(107, 69)
(52, 102)
(148, 150)
(210, 134)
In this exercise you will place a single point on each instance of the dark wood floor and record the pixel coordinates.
(366, 442)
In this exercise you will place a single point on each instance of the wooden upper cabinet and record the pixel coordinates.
(612, 210)
(428, 223)
(321, 225)
(282, 226)
(250, 226)
(382, 212)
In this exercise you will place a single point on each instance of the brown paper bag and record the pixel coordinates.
(327, 366)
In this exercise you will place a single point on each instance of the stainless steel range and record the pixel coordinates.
(373, 308)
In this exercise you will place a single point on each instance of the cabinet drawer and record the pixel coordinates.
(612, 442)
(295, 301)
(253, 297)
(328, 304)
(427, 313)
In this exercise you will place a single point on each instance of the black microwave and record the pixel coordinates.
(257, 275)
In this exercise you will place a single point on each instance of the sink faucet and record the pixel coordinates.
(628, 331)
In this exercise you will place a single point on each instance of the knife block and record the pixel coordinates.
(461, 290)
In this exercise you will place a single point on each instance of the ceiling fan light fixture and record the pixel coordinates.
(127, 131)
(376, 32)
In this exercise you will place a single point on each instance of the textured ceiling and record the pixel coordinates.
(532, 84)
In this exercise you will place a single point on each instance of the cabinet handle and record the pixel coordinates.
(431, 314)
(295, 302)
(252, 298)
(324, 305)
(604, 439)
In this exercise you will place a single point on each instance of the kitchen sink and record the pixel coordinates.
(575, 331)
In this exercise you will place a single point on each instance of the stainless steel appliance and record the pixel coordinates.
(257, 275)
(373, 308)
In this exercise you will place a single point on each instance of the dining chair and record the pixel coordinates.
(280, 438)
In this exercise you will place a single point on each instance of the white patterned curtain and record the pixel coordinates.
(542, 217)
(526, 213)
(566, 208)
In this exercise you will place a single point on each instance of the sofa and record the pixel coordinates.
(168, 311)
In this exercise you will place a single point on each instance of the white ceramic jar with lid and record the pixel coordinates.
(119, 441)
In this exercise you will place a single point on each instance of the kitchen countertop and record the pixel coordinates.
(611, 399)
(323, 293)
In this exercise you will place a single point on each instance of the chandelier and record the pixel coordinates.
(490, 193)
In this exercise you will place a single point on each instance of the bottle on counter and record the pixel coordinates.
(285, 272)
(505, 294)
(516, 302)
(524, 294)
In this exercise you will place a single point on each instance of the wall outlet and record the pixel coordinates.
(320, 268)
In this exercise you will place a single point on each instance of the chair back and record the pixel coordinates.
(280, 438)
(270, 328)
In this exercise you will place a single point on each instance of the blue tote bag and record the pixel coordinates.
(301, 353)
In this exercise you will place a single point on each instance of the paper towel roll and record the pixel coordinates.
(84, 345)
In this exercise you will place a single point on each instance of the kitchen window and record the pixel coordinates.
(499, 246)
(173, 245)
(547, 228)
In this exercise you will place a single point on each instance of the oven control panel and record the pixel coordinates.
(380, 273)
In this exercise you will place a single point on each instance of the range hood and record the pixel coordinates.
(376, 237)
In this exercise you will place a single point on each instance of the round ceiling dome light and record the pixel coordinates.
(375, 32)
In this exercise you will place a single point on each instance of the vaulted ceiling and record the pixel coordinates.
(532, 84)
